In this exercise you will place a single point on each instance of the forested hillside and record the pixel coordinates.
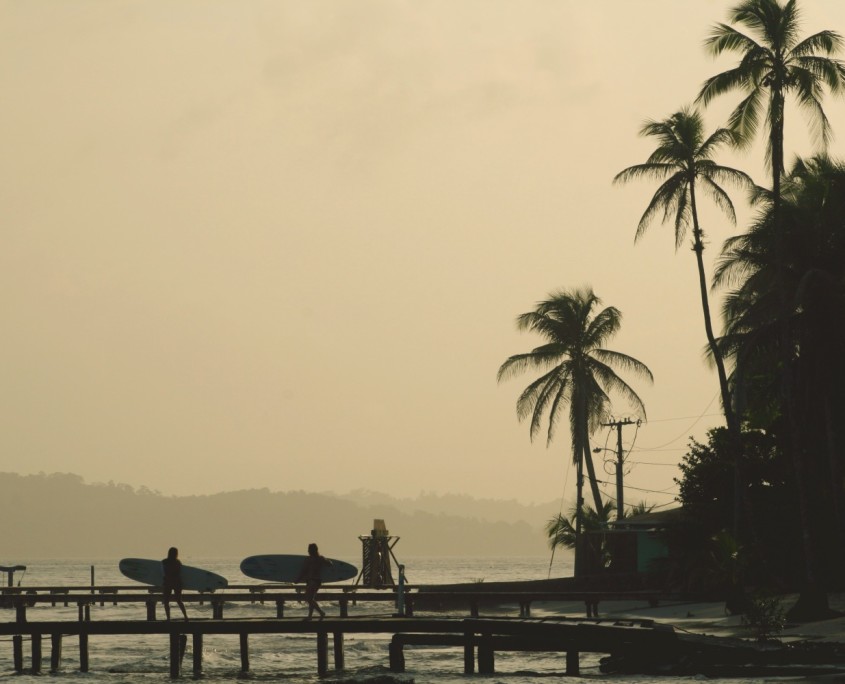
(61, 516)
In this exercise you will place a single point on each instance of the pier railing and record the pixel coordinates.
(472, 601)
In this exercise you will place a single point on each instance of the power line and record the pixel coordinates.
(686, 432)
(640, 489)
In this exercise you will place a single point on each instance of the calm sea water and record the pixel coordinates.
(275, 658)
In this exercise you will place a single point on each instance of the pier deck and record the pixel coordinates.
(474, 635)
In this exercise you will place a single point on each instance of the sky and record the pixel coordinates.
(283, 244)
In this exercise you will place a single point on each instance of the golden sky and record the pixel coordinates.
(283, 244)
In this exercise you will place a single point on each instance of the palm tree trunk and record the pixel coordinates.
(724, 389)
(776, 144)
(578, 570)
(591, 473)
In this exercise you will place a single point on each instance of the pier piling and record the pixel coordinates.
(197, 654)
(55, 652)
(17, 652)
(573, 665)
(322, 652)
(469, 652)
(83, 652)
(36, 653)
(339, 660)
(244, 652)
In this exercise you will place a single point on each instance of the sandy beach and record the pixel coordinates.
(709, 618)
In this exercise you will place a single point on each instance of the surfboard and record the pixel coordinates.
(151, 572)
(286, 568)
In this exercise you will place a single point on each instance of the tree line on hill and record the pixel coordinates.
(60, 516)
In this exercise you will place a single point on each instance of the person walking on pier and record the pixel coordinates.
(172, 567)
(310, 574)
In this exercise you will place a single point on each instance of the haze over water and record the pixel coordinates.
(261, 244)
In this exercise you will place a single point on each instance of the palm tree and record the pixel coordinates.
(562, 531)
(784, 329)
(683, 163)
(774, 63)
(576, 370)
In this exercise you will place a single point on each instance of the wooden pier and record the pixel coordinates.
(634, 645)
(480, 638)
(474, 635)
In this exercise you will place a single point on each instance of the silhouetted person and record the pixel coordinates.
(172, 582)
(310, 574)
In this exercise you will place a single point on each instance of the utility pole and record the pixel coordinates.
(620, 455)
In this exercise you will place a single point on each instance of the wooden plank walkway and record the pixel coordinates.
(484, 636)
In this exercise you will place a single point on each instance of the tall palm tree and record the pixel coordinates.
(683, 163)
(773, 64)
(785, 319)
(576, 370)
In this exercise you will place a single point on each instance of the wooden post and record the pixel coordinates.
(175, 660)
(83, 652)
(344, 607)
(17, 652)
(280, 609)
(485, 655)
(469, 653)
(151, 610)
(339, 660)
(197, 654)
(244, 652)
(397, 655)
(322, 653)
(36, 653)
(573, 667)
(473, 608)
(55, 652)
(217, 609)
(84, 611)
(20, 611)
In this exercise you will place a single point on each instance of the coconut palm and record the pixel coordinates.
(683, 163)
(562, 531)
(576, 371)
(774, 63)
(785, 319)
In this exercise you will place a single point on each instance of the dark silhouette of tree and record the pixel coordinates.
(576, 371)
(683, 164)
(785, 329)
(774, 63)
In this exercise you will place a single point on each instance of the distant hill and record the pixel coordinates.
(462, 505)
(60, 516)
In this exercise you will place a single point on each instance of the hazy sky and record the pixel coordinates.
(283, 244)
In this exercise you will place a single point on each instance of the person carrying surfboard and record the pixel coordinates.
(310, 574)
(172, 582)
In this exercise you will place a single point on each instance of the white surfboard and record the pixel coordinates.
(151, 572)
(286, 568)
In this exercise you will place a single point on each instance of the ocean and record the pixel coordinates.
(287, 658)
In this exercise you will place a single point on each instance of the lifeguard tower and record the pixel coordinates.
(377, 553)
